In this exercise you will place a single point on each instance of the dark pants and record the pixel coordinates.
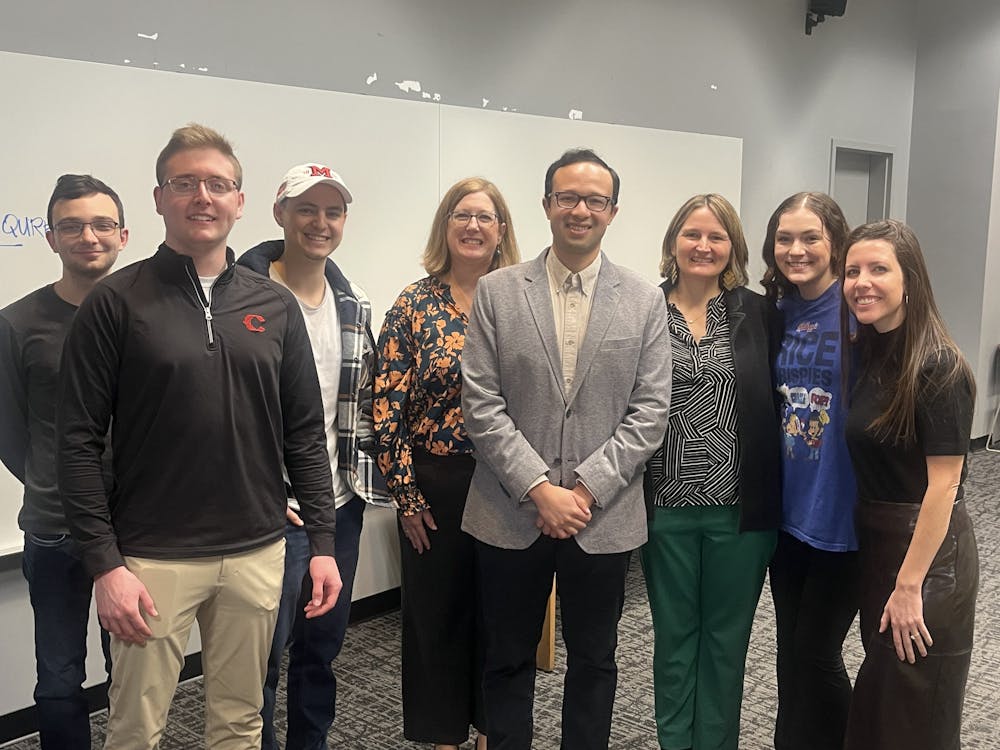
(515, 586)
(816, 596)
(897, 704)
(312, 644)
(60, 591)
(442, 622)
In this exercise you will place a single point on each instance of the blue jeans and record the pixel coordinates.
(312, 644)
(60, 591)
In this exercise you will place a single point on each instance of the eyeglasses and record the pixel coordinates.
(189, 185)
(572, 200)
(100, 227)
(484, 219)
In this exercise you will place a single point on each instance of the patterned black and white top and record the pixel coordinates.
(699, 462)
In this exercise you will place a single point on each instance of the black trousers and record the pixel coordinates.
(442, 642)
(816, 595)
(897, 704)
(515, 586)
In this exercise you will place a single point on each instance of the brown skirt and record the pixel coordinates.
(897, 704)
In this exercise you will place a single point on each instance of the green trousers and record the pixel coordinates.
(704, 579)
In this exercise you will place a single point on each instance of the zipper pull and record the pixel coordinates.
(208, 325)
(207, 306)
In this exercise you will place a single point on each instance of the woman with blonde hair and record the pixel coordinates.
(426, 456)
(715, 484)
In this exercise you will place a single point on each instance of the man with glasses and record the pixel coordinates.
(311, 209)
(86, 229)
(566, 383)
(205, 369)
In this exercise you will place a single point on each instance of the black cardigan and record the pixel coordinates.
(755, 330)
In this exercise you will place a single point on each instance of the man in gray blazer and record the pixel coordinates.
(566, 391)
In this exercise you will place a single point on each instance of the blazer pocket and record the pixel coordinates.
(632, 342)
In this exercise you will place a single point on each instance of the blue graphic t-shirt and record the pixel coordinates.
(819, 487)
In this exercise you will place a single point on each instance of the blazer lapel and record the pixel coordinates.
(602, 312)
(734, 311)
(539, 296)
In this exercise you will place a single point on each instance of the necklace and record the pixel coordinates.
(691, 320)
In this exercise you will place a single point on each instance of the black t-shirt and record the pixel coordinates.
(32, 331)
(897, 472)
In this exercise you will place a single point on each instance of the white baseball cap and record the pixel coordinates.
(301, 178)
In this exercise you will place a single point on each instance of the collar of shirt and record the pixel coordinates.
(716, 308)
(559, 275)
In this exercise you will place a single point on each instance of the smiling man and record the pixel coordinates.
(566, 389)
(206, 371)
(87, 231)
(311, 208)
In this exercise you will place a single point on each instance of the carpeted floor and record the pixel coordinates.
(369, 707)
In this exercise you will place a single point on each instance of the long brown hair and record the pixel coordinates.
(775, 284)
(924, 339)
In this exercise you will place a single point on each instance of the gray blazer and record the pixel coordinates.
(524, 424)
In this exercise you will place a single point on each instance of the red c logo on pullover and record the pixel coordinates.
(254, 322)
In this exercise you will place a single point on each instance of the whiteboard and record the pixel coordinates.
(397, 157)
(659, 170)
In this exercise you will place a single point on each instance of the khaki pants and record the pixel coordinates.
(235, 600)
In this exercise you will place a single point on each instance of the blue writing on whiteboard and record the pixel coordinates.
(14, 227)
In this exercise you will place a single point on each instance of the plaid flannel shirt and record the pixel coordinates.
(356, 444)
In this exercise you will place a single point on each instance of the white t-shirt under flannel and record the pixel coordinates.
(323, 327)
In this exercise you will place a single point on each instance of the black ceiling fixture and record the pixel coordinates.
(818, 10)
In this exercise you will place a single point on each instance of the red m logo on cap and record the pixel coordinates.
(319, 171)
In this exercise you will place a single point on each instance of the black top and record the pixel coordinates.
(699, 461)
(204, 406)
(897, 473)
(32, 331)
(755, 330)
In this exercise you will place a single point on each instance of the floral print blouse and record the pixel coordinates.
(418, 390)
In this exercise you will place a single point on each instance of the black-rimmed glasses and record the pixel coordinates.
(73, 228)
(572, 200)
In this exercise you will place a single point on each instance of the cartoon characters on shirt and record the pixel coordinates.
(808, 427)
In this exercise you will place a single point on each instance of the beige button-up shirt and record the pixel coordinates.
(572, 296)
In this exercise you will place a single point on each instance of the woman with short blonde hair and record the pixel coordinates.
(426, 455)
